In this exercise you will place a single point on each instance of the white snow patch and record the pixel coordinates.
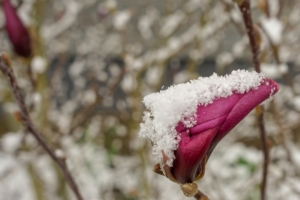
(128, 83)
(274, 71)
(39, 65)
(121, 19)
(224, 59)
(89, 97)
(181, 77)
(274, 28)
(153, 74)
(10, 142)
(179, 103)
(296, 102)
(171, 22)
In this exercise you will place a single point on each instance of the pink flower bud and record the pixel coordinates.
(213, 122)
(17, 33)
(186, 121)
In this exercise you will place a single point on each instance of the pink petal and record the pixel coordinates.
(190, 154)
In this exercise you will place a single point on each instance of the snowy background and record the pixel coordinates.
(93, 63)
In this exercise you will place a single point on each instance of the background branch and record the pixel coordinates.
(27, 123)
(246, 12)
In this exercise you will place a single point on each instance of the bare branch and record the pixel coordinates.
(27, 123)
(246, 12)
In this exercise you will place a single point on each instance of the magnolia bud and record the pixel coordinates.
(17, 33)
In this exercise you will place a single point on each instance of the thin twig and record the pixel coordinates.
(265, 148)
(27, 123)
(246, 12)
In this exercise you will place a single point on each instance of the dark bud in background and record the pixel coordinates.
(17, 32)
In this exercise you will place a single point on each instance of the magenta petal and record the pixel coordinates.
(189, 156)
(214, 121)
(249, 101)
(16, 31)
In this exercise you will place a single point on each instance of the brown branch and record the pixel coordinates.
(27, 123)
(246, 12)
(265, 148)
(200, 196)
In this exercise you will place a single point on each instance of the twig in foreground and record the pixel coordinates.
(246, 12)
(27, 123)
(201, 196)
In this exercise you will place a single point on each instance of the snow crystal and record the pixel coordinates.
(179, 103)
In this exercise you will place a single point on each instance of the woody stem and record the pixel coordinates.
(200, 196)
(246, 12)
(30, 127)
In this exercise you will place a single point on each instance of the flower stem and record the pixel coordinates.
(201, 196)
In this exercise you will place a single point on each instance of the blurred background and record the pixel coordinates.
(92, 62)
